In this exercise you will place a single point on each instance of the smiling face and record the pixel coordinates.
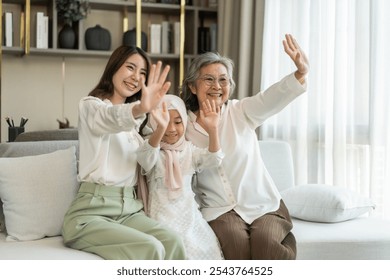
(213, 84)
(129, 78)
(175, 129)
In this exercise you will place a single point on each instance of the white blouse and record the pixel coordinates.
(108, 140)
(241, 182)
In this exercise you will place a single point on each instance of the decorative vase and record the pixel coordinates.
(67, 37)
(97, 38)
(130, 39)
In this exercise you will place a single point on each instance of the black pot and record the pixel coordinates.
(130, 39)
(67, 37)
(97, 38)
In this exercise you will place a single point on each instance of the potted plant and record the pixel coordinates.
(69, 12)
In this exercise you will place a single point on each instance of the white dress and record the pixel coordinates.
(181, 212)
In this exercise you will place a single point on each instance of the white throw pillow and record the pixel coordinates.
(36, 192)
(325, 203)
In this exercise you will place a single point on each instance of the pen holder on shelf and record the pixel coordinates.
(13, 132)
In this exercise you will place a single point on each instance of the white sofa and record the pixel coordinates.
(359, 238)
(36, 247)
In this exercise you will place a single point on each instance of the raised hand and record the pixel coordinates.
(156, 89)
(299, 58)
(161, 116)
(209, 115)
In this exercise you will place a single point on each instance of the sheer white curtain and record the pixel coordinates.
(340, 129)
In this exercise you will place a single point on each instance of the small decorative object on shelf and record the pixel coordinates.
(67, 37)
(97, 38)
(129, 39)
(70, 11)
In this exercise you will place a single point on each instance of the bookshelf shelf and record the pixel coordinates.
(151, 13)
(117, 16)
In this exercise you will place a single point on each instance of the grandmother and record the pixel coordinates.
(239, 199)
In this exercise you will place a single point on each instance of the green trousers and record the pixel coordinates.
(109, 221)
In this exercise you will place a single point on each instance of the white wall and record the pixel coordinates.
(45, 88)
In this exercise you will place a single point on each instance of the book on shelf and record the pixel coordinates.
(176, 37)
(155, 38)
(45, 32)
(203, 39)
(166, 37)
(39, 30)
(8, 29)
(213, 37)
(42, 30)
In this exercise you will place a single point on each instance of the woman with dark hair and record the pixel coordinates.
(107, 218)
(239, 199)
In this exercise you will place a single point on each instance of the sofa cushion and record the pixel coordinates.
(36, 191)
(48, 135)
(2, 221)
(363, 238)
(21, 149)
(325, 203)
(50, 248)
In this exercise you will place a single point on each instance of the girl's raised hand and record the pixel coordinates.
(161, 116)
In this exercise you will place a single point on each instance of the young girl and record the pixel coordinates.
(106, 218)
(169, 162)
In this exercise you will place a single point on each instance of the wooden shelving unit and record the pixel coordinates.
(114, 15)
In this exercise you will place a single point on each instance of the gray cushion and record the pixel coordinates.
(20, 149)
(45, 135)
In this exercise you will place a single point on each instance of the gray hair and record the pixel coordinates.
(199, 62)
